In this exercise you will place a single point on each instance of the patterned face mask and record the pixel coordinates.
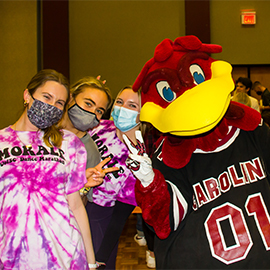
(124, 119)
(82, 119)
(43, 115)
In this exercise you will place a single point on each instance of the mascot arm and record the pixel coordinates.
(139, 162)
(163, 205)
(154, 201)
(152, 193)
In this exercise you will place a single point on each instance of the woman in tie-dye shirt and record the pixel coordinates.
(114, 200)
(43, 223)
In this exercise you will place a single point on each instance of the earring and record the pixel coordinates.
(25, 103)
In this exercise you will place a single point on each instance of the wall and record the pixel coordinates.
(241, 44)
(116, 38)
(18, 55)
(245, 47)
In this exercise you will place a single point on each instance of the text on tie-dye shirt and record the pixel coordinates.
(37, 228)
(118, 185)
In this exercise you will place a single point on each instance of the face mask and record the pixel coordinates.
(43, 115)
(124, 119)
(82, 119)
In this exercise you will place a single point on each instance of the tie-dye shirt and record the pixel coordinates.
(119, 185)
(37, 228)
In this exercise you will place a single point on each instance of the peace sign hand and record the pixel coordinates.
(95, 175)
(139, 162)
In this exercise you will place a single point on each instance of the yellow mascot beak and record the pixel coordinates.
(198, 110)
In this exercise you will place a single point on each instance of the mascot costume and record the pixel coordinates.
(206, 191)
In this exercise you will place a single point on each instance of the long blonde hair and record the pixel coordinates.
(243, 98)
(52, 135)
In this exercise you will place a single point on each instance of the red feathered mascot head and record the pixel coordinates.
(184, 91)
(187, 95)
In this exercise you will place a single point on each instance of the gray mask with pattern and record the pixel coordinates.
(43, 115)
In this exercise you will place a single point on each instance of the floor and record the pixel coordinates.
(130, 255)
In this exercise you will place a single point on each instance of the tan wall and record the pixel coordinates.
(241, 44)
(18, 55)
(116, 38)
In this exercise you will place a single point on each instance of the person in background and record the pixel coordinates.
(43, 222)
(114, 200)
(245, 85)
(139, 237)
(265, 101)
(90, 98)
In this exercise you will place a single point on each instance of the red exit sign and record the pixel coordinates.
(248, 17)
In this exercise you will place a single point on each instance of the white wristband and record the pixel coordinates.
(92, 265)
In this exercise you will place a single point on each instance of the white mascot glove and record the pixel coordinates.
(138, 161)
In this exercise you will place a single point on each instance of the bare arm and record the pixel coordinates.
(78, 209)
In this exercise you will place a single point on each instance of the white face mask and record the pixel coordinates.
(124, 119)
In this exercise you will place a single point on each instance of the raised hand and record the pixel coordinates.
(96, 175)
(139, 162)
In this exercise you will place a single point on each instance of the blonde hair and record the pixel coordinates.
(243, 98)
(89, 81)
(129, 87)
(53, 136)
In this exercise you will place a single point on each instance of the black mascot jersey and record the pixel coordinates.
(223, 229)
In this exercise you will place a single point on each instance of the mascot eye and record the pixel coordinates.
(197, 74)
(165, 91)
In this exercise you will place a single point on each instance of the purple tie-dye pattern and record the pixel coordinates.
(37, 229)
(118, 186)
